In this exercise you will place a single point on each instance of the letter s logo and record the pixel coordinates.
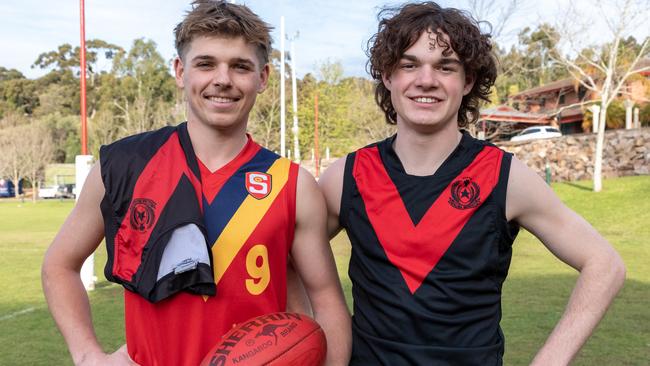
(258, 184)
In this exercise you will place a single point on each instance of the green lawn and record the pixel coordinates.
(534, 295)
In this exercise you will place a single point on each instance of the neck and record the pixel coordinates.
(422, 154)
(216, 147)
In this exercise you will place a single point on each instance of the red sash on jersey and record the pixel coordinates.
(416, 249)
(153, 189)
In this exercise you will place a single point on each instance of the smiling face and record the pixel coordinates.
(427, 87)
(221, 78)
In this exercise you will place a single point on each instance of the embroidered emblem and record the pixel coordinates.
(465, 194)
(142, 214)
(258, 184)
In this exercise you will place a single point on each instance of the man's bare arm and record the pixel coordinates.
(331, 183)
(574, 241)
(66, 297)
(315, 264)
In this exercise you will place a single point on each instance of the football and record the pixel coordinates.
(272, 339)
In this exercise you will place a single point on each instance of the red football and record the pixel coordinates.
(272, 339)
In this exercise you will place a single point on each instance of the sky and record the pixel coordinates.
(334, 30)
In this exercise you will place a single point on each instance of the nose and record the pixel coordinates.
(427, 77)
(221, 76)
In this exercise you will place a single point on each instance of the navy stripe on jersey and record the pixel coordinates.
(232, 194)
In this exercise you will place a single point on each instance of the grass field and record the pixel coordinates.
(534, 295)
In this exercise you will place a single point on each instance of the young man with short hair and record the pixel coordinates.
(199, 220)
(432, 212)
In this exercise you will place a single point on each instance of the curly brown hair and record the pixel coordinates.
(220, 18)
(400, 27)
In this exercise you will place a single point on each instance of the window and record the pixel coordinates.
(582, 91)
(530, 130)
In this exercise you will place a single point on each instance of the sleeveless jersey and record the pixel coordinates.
(429, 256)
(152, 188)
(248, 212)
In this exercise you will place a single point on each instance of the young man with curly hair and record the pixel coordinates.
(432, 212)
(199, 219)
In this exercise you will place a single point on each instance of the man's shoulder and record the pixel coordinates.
(140, 140)
(474, 144)
(133, 152)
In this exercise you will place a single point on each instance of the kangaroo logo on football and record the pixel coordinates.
(142, 214)
(465, 194)
(269, 331)
(258, 184)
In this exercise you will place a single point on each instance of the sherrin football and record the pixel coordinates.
(273, 339)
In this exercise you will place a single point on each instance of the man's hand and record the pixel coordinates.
(118, 358)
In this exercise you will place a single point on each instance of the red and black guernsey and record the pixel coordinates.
(152, 184)
(429, 256)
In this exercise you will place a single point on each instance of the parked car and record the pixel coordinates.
(6, 188)
(48, 192)
(62, 191)
(537, 132)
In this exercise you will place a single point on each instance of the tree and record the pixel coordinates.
(497, 14)
(26, 149)
(37, 152)
(142, 92)
(64, 132)
(264, 118)
(528, 64)
(603, 69)
(11, 146)
(18, 94)
(65, 57)
(10, 74)
(335, 95)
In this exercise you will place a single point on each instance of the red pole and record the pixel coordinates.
(316, 157)
(84, 132)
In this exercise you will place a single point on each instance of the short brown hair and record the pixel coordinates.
(220, 18)
(399, 28)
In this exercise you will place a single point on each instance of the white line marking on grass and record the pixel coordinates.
(30, 309)
(13, 315)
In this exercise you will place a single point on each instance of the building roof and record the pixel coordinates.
(555, 85)
(643, 63)
(504, 113)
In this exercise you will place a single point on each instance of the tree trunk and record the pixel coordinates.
(600, 143)
(16, 178)
(33, 177)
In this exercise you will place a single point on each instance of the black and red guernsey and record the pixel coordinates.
(429, 256)
(152, 184)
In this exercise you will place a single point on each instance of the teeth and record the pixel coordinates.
(221, 99)
(425, 100)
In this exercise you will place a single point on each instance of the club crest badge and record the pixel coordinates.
(142, 214)
(258, 184)
(465, 194)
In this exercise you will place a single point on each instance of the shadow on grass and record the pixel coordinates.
(533, 305)
(578, 186)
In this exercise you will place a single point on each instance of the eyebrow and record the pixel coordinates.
(442, 61)
(202, 58)
(212, 58)
(243, 61)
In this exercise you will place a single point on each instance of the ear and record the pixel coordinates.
(179, 70)
(469, 84)
(264, 78)
(385, 78)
